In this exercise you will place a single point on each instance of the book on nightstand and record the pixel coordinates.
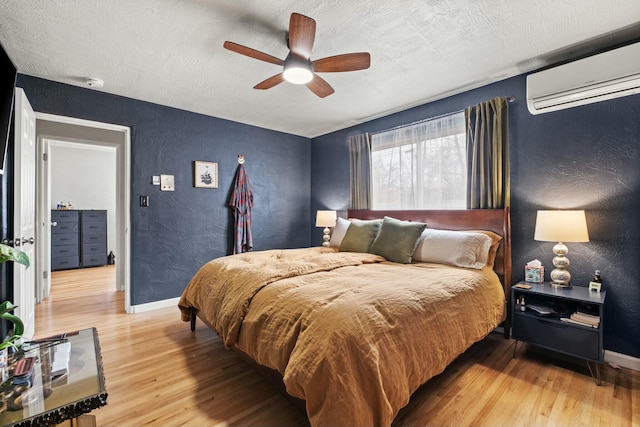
(589, 319)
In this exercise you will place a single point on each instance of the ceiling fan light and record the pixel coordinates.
(298, 75)
(297, 70)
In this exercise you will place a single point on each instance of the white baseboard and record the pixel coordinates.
(140, 308)
(623, 360)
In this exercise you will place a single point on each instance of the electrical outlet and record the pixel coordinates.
(144, 201)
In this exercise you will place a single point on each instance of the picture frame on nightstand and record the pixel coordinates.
(595, 286)
(534, 274)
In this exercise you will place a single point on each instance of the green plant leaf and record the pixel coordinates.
(8, 253)
(18, 327)
(6, 307)
(10, 342)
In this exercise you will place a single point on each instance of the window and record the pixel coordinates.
(421, 166)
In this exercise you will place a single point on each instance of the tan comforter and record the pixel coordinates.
(352, 334)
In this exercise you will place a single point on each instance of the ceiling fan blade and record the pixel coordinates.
(252, 53)
(302, 33)
(345, 62)
(270, 82)
(320, 87)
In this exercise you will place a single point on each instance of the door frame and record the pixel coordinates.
(123, 198)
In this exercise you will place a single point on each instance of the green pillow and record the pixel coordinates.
(360, 235)
(397, 239)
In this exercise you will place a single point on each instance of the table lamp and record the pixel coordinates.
(561, 226)
(326, 219)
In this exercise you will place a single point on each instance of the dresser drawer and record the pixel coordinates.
(94, 216)
(557, 335)
(64, 263)
(65, 227)
(64, 251)
(64, 239)
(94, 249)
(94, 238)
(65, 216)
(89, 260)
(94, 227)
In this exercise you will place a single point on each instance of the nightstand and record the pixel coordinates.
(555, 331)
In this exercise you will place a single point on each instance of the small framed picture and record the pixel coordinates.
(205, 174)
(534, 274)
(595, 286)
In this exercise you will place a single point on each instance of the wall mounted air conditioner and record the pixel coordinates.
(607, 75)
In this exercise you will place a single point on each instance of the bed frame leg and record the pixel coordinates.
(193, 320)
(507, 322)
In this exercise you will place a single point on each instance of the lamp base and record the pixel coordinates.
(326, 237)
(560, 276)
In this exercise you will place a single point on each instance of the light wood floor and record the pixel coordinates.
(159, 373)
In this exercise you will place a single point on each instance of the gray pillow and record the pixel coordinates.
(397, 239)
(360, 235)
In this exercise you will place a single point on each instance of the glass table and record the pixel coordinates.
(52, 397)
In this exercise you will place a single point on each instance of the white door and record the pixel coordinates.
(24, 212)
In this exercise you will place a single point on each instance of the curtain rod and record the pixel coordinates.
(509, 99)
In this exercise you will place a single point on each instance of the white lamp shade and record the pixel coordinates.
(326, 219)
(561, 226)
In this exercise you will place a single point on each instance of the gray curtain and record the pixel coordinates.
(360, 171)
(488, 185)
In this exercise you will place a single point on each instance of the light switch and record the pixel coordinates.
(155, 179)
(144, 201)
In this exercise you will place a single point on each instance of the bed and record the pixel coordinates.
(349, 335)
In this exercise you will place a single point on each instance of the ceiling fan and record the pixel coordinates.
(298, 68)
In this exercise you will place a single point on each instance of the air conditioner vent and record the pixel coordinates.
(608, 75)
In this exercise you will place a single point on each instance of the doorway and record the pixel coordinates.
(82, 133)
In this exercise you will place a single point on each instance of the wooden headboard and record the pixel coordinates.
(496, 220)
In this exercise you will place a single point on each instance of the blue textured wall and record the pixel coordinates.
(183, 229)
(584, 157)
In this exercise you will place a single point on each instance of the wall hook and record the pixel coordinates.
(240, 159)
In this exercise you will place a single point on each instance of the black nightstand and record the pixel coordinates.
(550, 331)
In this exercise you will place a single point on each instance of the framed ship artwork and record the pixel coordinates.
(205, 174)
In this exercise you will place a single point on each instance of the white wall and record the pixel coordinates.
(85, 175)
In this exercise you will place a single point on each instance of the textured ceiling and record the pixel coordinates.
(170, 51)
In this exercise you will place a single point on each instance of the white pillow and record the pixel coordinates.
(339, 231)
(459, 248)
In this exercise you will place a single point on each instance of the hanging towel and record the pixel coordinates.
(241, 202)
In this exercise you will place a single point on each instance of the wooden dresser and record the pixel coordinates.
(78, 239)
